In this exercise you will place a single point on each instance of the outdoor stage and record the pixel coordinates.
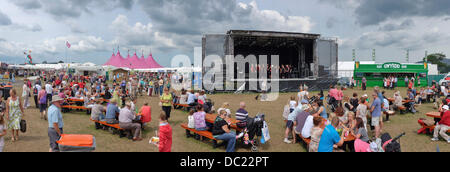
(313, 59)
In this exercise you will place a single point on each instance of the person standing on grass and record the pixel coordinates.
(364, 82)
(49, 91)
(55, 123)
(165, 134)
(36, 90)
(15, 113)
(25, 95)
(443, 125)
(167, 101)
(375, 109)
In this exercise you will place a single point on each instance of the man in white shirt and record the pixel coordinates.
(309, 124)
(49, 90)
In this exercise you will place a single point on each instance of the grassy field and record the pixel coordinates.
(36, 139)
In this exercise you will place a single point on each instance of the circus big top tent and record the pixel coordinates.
(132, 62)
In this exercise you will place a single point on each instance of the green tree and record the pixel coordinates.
(438, 58)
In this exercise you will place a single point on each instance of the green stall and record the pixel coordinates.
(375, 73)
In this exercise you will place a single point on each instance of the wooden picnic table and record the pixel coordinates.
(210, 118)
(82, 100)
(403, 101)
(434, 114)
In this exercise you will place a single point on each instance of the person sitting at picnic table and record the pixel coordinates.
(330, 139)
(199, 119)
(112, 111)
(421, 96)
(183, 97)
(97, 113)
(398, 101)
(126, 118)
(430, 94)
(201, 97)
(191, 99)
(316, 133)
(242, 115)
(225, 107)
(411, 101)
(443, 125)
(309, 124)
(300, 120)
(221, 131)
(146, 114)
(360, 131)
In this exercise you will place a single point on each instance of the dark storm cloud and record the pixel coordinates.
(63, 9)
(28, 4)
(371, 12)
(188, 17)
(4, 19)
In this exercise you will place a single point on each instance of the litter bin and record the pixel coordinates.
(76, 143)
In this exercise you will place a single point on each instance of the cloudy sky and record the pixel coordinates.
(171, 27)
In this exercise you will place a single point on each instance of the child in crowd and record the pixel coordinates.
(191, 123)
(286, 111)
(289, 127)
(165, 134)
(292, 104)
(199, 119)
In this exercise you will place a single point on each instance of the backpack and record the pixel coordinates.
(43, 99)
(35, 91)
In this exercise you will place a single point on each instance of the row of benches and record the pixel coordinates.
(206, 134)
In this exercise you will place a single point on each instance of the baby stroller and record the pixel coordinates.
(253, 130)
(333, 103)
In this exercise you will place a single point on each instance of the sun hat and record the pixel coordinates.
(56, 98)
(304, 101)
(445, 107)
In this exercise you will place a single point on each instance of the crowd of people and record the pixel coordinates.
(326, 127)
(52, 90)
(324, 119)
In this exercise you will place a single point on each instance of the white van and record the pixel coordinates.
(445, 81)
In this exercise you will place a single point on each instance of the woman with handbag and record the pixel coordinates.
(14, 114)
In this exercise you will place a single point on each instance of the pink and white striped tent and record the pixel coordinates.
(133, 62)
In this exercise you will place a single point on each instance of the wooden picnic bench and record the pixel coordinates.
(426, 129)
(115, 127)
(206, 134)
(184, 106)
